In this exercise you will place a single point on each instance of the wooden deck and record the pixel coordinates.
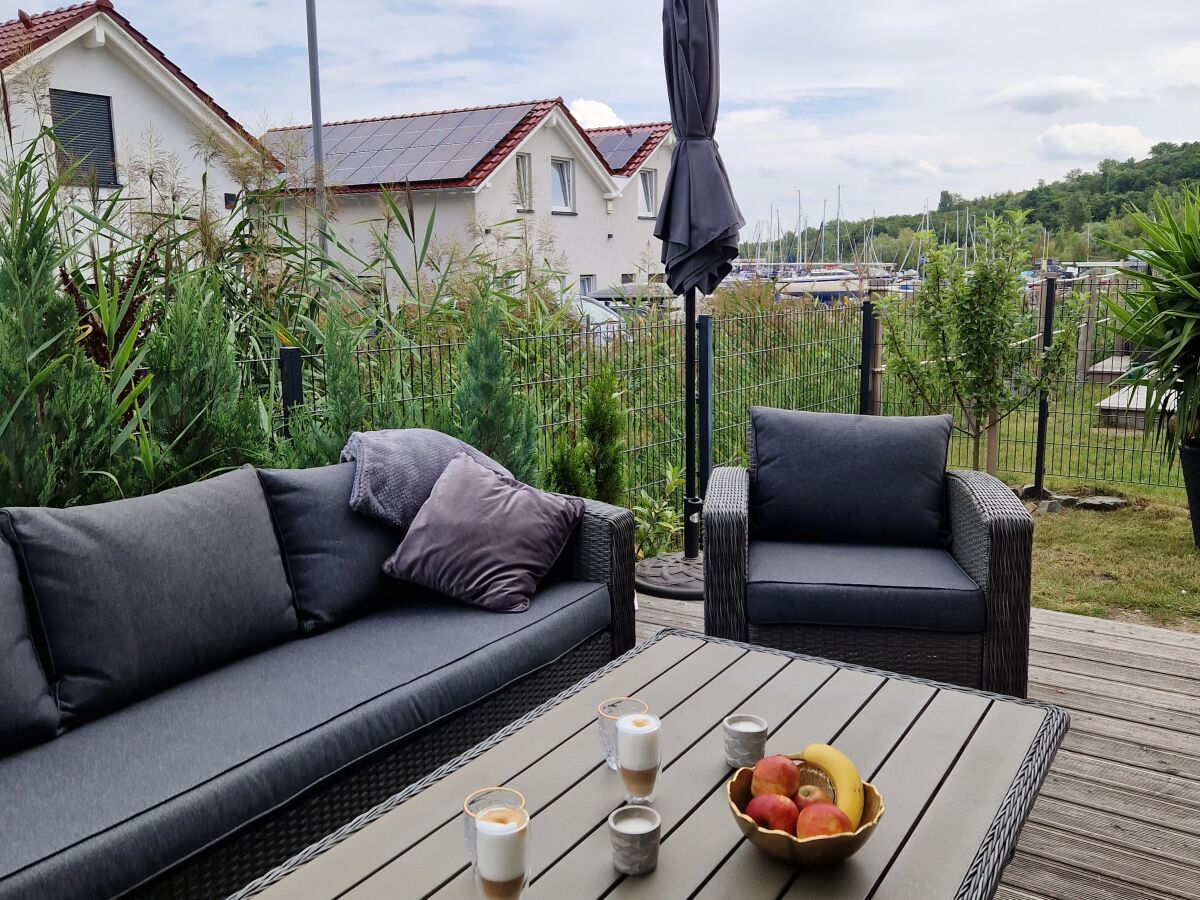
(1119, 815)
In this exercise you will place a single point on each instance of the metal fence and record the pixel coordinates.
(1093, 429)
(812, 357)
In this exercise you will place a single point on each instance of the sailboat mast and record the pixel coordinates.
(824, 206)
(839, 225)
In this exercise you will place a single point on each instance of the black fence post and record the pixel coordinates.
(867, 361)
(291, 380)
(1039, 468)
(705, 423)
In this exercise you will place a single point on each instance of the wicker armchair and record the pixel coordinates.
(990, 538)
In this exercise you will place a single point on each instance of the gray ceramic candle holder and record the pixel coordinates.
(635, 832)
(745, 740)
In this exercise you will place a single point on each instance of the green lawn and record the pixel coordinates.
(1138, 563)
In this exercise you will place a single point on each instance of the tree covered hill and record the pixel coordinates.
(1079, 212)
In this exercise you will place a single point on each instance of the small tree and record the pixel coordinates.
(490, 415)
(318, 436)
(966, 344)
(604, 427)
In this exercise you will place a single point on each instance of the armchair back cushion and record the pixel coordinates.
(136, 595)
(839, 478)
(334, 556)
(28, 714)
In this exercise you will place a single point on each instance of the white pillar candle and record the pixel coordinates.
(747, 726)
(501, 839)
(634, 822)
(637, 742)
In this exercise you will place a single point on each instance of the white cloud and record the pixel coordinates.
(594, 113)
(960, 164)
(892, 164)
(1051, 94)
(1091, 141)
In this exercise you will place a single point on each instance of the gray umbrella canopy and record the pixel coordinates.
(698, 220)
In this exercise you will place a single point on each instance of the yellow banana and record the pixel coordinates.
(847, 785)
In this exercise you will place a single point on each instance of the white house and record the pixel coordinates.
(596, 193)
(113, 100)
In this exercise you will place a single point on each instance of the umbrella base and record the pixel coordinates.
(672, 576)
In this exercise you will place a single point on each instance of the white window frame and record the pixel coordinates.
(524, 182)
(648, 210)
(587, 285)
(569, 168)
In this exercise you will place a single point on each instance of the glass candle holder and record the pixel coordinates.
(607, 714)
(486, 798)
(639, 755)
(502, 855)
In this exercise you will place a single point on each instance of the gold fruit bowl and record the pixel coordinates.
(821, 850)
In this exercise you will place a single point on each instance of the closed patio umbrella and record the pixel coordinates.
(698, 221)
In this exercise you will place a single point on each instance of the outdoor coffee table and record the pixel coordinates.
(958, 771)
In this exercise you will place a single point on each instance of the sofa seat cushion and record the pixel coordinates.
(136, 595)
(874, 586)
(334, 556)
(121, 798)
(28, 713)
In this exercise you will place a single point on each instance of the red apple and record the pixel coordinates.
(773, 811)
(775, 775)
(808, 794)
(821, 818)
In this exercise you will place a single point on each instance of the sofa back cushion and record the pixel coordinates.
(334, 556)
(832, 477)
(136, 595)
(28, 714)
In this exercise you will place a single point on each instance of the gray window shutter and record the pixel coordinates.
(83, 126)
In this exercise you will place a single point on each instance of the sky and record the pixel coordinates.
(895, 101)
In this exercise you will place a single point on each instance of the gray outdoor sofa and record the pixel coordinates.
(197, 684)
(845, 538)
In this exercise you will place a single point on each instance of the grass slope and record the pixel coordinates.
(1137, 563)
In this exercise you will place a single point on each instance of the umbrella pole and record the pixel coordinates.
(691, 503)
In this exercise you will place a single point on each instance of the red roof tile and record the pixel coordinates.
(657, 133)
(26, 33)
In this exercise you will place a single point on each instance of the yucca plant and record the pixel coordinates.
(1160, 316)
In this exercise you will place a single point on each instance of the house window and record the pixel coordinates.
(626, 279)
(648, 196)
(83, 126)
(587, 285)
(524, 182)
(562, 186)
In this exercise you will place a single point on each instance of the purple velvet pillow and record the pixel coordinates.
(483, 538)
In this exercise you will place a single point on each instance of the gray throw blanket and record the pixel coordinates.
(397, 469)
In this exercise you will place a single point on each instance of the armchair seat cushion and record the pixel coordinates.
(865, 585)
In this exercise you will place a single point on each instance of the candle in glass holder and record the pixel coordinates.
(502, 852)
(639, 755)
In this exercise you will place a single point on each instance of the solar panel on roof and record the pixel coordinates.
(618, 147)
(455, 168)
(434, 147)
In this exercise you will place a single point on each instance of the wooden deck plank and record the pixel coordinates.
(1112, 627)
(1132, 691)
(1109, 668)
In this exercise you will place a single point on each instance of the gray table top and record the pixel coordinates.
(958, 771)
